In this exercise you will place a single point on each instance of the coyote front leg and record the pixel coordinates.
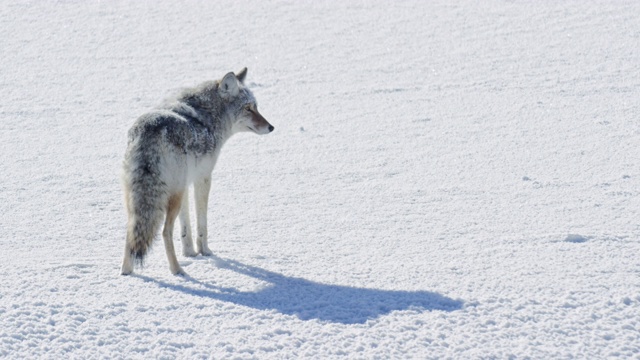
(185, 227)
(201, 192)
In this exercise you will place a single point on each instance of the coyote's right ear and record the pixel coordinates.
(229, 86)
(242, 74)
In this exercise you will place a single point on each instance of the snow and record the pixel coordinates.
(445, 180)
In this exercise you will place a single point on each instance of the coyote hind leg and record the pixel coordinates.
(173, 208)
(127, 262)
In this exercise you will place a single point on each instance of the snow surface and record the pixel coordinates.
(446, 180)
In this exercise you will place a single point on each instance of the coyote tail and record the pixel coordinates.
(145, 197)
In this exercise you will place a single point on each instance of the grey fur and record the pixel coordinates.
(174, 145)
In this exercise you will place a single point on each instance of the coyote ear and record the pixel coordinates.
(241, 75)
(229, 85)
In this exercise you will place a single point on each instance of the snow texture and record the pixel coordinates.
(446, 180)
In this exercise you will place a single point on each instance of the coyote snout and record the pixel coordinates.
(257, 122)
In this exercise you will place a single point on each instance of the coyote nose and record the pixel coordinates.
(271, 128)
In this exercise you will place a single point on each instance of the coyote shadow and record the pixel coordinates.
(310, 300)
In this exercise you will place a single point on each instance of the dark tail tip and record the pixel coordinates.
(138, 256)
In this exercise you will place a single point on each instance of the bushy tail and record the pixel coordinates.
(145, 197)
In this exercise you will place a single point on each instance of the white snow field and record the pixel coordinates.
(446, 179)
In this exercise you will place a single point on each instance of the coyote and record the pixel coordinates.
(173, 146)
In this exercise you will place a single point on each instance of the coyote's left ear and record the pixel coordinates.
(229, 86)
(241, 75)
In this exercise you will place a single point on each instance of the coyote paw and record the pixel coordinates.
(206, 252)
(178, 272)
(187, 245)
(189, 252)
(127, 268)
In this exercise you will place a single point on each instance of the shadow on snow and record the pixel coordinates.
(310, 300)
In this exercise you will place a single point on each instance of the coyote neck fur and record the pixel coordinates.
(202, 105)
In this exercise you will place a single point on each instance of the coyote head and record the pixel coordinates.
(241, 104)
